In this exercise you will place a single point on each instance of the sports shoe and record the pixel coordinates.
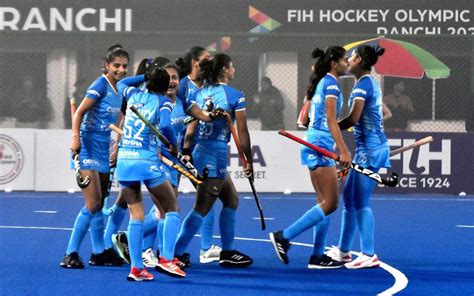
(107, 258)
(72, 261)
(149, 259)
(120, 242)
(336, 254)
(234, 259)
(170, 268)
(363, 261)
(281, 245)
(184, 259)
(323, 262)
(139, 275)
(179, 263)
(210, 255)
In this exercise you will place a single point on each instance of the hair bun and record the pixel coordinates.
(180, 62)
(379, 50)
(317, 53)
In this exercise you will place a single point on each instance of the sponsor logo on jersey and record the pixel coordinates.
(332, 86)
(128, 154)
(11, 159)
(90, 161)
(113, 109)
(93, 92)
(359, 90)
(129, 142)
(178, 120)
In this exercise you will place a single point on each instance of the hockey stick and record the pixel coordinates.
(244, 160)
(426, 140)
(390, 182)
(180, 157)
(167, 161)
(411, 146)
(81, 182)
(301, 122)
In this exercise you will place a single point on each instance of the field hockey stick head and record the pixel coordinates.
(392, 181)
(81, 182)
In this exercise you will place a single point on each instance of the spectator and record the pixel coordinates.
(32, 108)
(269, 106)
(401, 106)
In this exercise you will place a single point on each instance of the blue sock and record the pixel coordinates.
(97, 233)
(135, 238)
(348, 228)
(227, 228)
(159, 234)
(170, 233)
(190, 227)
(149, 230)
(113, 224)
(365, 219)
(207, 230)
(309, 219)
(320, 236)
(81, 225)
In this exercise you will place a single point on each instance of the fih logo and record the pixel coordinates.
(265, 23)
(11, 159)
(419, 161)
(257, 156)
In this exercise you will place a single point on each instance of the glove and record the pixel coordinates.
(188, 154)
(218, 113)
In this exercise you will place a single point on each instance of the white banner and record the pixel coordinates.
(45, 163)
(17, 159)
(53, 161)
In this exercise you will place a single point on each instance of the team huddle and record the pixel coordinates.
(184, 111)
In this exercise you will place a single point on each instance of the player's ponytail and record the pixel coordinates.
(322, 66)
(149, 64)
(211, 70)
(185, 63)
(369, 55)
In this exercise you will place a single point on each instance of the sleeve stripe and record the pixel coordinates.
(127, 91)
(331, 96)
(241, 109)
(359, 98)
(190, 106)
(166, 108)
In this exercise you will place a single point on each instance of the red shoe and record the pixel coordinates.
(178, 263)
(170, 268)
(139, 275)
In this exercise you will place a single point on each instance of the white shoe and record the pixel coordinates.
(149, 259)
(363, 261)
(336, 254)
(211, 255)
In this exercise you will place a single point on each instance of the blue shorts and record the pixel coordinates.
(310, 157)
(376, 158)
(94, 153)
(140, 169)
(150, 183)
(174, 175)
(213, 156)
